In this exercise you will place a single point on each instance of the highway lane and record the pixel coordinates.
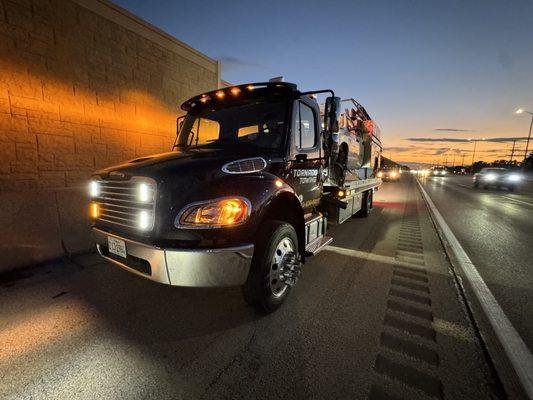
(376, 315)
(495, 227)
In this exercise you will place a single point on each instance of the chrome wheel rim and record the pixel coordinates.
(284, 248)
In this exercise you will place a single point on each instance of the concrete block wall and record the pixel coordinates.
(83, 84)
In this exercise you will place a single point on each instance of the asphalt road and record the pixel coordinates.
(377, 315)
(495, 228)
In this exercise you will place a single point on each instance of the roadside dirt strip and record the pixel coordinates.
(377, 316)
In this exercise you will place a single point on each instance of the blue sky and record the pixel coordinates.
(417, 66)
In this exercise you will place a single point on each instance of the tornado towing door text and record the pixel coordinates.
(257, 174)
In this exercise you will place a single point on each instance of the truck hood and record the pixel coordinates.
(163, 165)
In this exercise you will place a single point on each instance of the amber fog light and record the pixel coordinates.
(94, 210)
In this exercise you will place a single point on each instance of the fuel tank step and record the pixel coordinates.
(317, 245)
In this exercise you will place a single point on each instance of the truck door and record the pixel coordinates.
(305, 164)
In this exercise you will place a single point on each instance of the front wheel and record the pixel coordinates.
(274, 263)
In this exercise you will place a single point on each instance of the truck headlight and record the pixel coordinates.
(94, 188)
(145, 220)
(514, 177)
(144, 192)
(217, 213)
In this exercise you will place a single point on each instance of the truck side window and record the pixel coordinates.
(306, 127)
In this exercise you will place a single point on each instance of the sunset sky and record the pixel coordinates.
(431, 73)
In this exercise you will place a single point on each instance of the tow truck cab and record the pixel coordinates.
(238, 200)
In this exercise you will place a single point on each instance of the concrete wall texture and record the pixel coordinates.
(84, 84)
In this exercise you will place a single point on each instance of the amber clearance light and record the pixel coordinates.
(94, 210)
(217, 213)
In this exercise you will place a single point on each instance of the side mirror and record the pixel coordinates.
(332, 111)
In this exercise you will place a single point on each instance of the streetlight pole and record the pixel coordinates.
(521, 111)
(474, 152)
(512, 152)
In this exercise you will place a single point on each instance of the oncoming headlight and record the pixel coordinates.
(490, 177)
(217, 213)
(514, 177)
(380, 174)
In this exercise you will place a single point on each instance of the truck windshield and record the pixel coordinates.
(255, 123)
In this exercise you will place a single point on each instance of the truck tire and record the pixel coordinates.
(366, 204)
(263, 289)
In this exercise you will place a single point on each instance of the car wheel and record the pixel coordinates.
(276, 245)
(476, 185)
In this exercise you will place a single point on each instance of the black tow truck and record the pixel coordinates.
(256, 175)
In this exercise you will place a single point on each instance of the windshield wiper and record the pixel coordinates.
(222, 140)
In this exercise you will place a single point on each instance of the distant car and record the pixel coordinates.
(497, 177)
(389, 175)
(439, 171)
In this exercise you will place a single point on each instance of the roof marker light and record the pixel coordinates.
(220, 94)
(204, 99)
(235, 91)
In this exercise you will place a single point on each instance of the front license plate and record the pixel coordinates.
(116, 246)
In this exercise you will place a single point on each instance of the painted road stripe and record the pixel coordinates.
(520, 201)
(515, 349)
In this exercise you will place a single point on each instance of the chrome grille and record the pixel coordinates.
(119, 202)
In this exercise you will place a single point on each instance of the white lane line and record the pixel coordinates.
(514, 347)
(372, 257)
(520, 201)
(465, 186)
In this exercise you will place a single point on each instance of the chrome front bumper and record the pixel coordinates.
(181, 267)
